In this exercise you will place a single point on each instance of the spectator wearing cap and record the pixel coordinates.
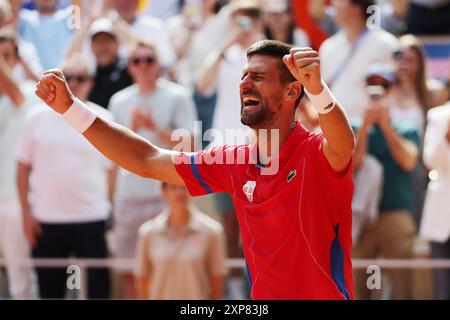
(346, 55)
(111, 74)
(100, 41)
(48, 29)
(396, 146)
(73, 224)
(279, 23)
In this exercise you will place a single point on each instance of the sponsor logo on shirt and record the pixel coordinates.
(292, 174)
(249, 188)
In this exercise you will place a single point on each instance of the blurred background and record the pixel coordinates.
(159, 65)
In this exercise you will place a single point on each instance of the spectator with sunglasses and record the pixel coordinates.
(396, 146)
(152, 107)
(73, 223)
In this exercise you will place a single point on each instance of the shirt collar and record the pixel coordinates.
(192, 225)
(297, 134)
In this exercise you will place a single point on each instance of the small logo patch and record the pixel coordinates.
(248, 189)
(291, 175)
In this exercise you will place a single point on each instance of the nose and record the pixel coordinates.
(245, 83)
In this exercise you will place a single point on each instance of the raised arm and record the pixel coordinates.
(119, 144)
(304, 64)
(9, 86)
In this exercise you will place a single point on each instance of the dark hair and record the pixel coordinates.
(277, 49)
(364, 6)
(7, 35)
(246, 8)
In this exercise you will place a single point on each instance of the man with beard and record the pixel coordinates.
(295, 220)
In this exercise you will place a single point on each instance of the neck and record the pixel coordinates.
(244, 45)
(355, 30)
(147, 87)
(179, 217)
(47, 11)
(206, 13)
(268, 137)
(280, 33)
(107, 64)
(406, 84)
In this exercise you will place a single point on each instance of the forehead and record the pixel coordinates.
(143, 50)
(74, 69)
(261, 64)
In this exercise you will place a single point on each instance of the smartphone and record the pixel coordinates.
(244, 23)
(375, 92)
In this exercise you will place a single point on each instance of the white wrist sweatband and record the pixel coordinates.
(324, 102)
(79, 116)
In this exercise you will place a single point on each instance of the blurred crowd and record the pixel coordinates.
(159, 65)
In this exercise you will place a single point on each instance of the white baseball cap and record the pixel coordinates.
(102, 25)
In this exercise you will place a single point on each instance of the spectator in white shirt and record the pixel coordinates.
(435, 224)
(154, 108)
(197, 31)
(280, 25)
(346, 56)
(145, 27)
(73, 222)
(16, 99)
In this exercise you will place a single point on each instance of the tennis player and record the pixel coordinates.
(295, 221)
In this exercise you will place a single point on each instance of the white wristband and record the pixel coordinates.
(324, 102)
(79, 116)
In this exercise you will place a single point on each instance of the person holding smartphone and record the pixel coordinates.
(396, 146)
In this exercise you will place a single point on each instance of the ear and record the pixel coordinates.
(293, 91)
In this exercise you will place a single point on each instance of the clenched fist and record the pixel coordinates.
(304, 64)
(53, 90)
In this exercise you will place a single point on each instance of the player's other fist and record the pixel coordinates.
(304, 64)
(53, 90)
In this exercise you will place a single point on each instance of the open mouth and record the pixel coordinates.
(250, 104)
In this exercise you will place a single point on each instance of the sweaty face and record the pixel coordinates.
(261, 91)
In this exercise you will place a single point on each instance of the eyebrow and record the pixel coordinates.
(255, 72)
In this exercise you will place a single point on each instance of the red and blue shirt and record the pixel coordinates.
(295, 224)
